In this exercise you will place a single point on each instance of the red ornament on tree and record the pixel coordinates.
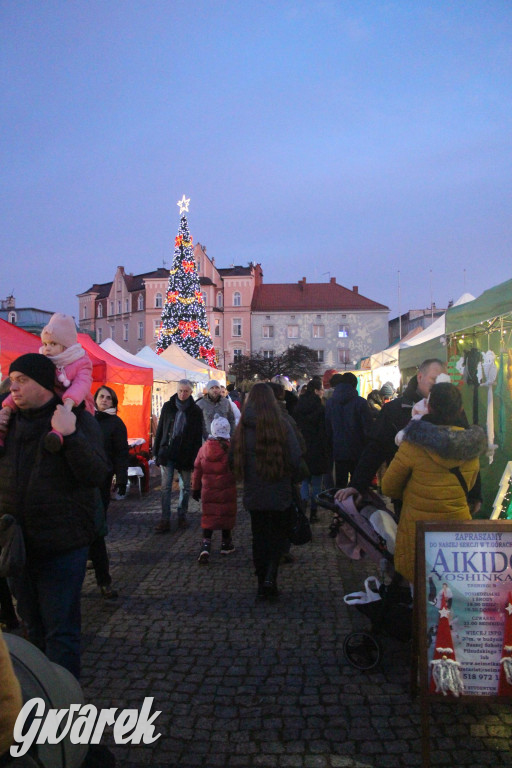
(188, 266)
(172, 296)
(188, 328)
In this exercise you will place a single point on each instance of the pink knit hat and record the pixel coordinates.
(61, 329)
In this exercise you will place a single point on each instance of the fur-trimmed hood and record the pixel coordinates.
(449, 444)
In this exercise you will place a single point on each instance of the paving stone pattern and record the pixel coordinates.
(246, 683)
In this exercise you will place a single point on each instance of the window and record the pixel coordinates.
(267, 331)
(156, 328)
(125, 332)
(112, 332)
(158, 301)
(198, 266)
(343, 331)
(268, 354)
(12, 317)
(99, 311)
(127, 305)
(99, 335)
(140, 301)
(84, 312)
(237, 299)
(140, 331)
(217, 327)
(203, 294)
(320, 355)
(119, 307)
(318, 331)
(111, 307)
(219, 299)
(344, 356)
(293, 331)
(119, 284)
(237, 354)
(237, 326)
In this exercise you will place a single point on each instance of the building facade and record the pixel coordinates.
(29, 318)
(244, 314)
(340, 324)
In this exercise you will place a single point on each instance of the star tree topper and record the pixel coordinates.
(183, 204)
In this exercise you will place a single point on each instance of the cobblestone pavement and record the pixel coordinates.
(241, 683)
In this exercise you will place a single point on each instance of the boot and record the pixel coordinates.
(270, 581)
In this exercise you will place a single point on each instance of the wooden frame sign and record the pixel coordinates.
(463, 613)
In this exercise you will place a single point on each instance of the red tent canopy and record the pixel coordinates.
(14, 342)
(131, 383)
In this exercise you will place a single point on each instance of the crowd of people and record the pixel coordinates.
(61, 458)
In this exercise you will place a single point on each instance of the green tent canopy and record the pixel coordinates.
(492, 304)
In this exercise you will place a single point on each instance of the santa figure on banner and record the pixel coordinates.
(505, 683)
(446, 677)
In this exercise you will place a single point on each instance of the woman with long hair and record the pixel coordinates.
(266, 458)
(433, 470)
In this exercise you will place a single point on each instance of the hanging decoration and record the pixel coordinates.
(184, 320)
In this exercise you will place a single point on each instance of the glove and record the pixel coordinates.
(121, 489)
(196, 495)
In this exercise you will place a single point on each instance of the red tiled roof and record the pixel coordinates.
(303, 297)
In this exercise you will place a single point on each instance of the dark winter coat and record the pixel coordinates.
(115, 442)
(381, 447)
(348, 422)
(420, 475)
(182, 451)
(260, 494)
(310, 417)
(213, 477)
(53, 495)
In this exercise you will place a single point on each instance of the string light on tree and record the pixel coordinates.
(184, 320)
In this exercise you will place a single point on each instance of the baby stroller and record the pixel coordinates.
(370, 532)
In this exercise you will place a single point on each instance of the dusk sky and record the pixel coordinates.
(355, 140)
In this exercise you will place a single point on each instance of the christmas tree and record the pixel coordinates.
(184, 319)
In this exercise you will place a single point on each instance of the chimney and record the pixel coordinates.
(302, 283)
(333, 281)
(355, 289)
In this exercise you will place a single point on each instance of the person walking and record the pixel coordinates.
(115, 441)
(266, 458)
(177, 441)
(214, 483)
(433, 470)
(53, 496)
(213, 403)
(348, 421)
(393, 417)
(310, 417)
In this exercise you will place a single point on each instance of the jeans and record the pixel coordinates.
(184, 476)
(307, 493)
(48, 595)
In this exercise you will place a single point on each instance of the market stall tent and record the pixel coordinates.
(132, 385)
(177, 356)
(482, 329)
(14, 342)
(429, 343)
(148, 356)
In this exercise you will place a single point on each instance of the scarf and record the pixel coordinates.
(70, 355)
(181, 419)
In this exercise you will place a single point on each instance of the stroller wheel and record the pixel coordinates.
(361, 650)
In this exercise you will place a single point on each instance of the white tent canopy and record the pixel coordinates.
(437, 328)
(177, 356)
(149, 357)
(162, 370)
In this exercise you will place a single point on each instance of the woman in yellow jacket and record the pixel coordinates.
(421, 472)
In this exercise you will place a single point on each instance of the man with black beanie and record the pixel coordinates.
(53, 496)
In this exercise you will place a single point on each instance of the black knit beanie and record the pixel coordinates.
(37, 367)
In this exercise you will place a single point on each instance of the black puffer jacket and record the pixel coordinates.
(115, 442)
(310, 417)
(348, 421)
(191, 437)
(53, 495)
(381, 447)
